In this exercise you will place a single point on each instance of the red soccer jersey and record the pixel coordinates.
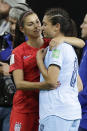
(25, 59)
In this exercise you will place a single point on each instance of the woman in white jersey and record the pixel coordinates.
(59, 109)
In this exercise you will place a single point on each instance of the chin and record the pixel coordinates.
(46, 36)
(38, 34)
(84, 37)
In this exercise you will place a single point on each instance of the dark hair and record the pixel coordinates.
(59, 15)
(67, 25)
(20, 37)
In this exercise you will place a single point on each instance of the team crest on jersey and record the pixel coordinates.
(55, 53)
(17, 127)
(12, 59)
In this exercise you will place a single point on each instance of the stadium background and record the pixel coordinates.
(76, 8)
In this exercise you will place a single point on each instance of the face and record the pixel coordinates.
(32, 26)
(12, 26)
(84, 28)
(48, 28)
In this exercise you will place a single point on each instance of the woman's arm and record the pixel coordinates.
(71, 40)
(79, 83)
(21, 84)
(51, 74)
(40, 57)
(75, 41)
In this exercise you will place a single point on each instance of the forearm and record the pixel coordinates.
(22, 84)
(42, 68)
(75, 41)
(26, 85)
(79, 83)
(51, 74)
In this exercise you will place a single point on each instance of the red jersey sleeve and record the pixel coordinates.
(16, 61)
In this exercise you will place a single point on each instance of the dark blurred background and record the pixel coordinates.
(76, 8)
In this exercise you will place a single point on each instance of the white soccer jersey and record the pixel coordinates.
(63, 101)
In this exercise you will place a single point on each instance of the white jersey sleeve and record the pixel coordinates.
(56, 56)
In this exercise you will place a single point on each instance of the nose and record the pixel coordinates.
(81, 25)
(37, 24)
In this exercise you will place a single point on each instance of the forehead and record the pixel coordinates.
(12, 20)
(31, 18)
(46, 18)
(85, 19)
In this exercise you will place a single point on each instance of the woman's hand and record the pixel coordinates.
(4, 68)
(41, 54)
(56, 41)
(52, 86)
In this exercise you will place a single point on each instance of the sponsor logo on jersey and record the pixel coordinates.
(25, 57)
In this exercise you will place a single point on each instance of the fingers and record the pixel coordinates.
(42, 50)
(52, 44)
(1, 63)
(55, 86)
(4, 69)
(58, 83)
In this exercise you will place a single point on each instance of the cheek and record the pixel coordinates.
(27, 30)
(85, 30)
(85, 27)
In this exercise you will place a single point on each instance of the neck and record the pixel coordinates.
(59, 35)
(35, 42)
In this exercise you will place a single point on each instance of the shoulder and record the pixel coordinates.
(46, 41)
(20, 47)
(64, 46)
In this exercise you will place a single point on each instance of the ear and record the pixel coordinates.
(57, 27)
(21, 29)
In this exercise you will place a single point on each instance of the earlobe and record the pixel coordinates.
(57, 26)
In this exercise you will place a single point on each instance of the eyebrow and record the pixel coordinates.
(28, 22)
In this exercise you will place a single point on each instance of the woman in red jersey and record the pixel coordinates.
(23, 65)
(24, 115)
